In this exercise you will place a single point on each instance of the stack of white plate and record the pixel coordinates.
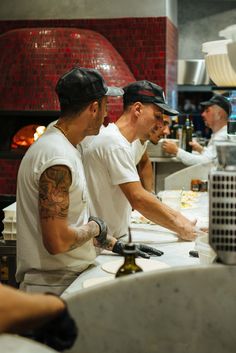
(9, 222)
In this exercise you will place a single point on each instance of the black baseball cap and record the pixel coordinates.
(147, 92)
(219, 100)
(83, 85)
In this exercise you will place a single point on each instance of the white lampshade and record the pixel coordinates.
(218, 64)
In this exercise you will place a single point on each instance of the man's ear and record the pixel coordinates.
(137, 108)
(94, 107)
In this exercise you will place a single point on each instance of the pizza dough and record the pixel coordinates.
(145, 264)
(96, 280)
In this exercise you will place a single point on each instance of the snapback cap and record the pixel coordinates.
(147, 92)
(219, 100)
(83, 85)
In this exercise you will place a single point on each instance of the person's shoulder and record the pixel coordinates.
(221, 134)
(108, 135)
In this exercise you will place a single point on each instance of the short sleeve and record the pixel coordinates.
(121, 166)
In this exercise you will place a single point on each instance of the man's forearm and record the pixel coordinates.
(108, 245)
(21, 311)
(165, 216)
(83, 234)
(58, 237)
(190, 158)
(158, 212)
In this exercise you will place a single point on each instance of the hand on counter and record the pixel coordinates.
(170, 147)
(142, 250)
(188, 230)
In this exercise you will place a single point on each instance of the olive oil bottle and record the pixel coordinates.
(129, 266)
(187, 136)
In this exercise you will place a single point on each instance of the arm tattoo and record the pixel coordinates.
(108, 245)
(54, 187)
(83, 234)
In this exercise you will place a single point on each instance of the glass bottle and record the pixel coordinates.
(129, 266)
(189, 132)
(183, 138)
(186, 135)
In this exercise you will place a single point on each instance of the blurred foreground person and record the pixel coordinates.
(42, 317)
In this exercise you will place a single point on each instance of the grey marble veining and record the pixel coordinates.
(178, 310)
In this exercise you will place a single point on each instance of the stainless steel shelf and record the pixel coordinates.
(194, 88)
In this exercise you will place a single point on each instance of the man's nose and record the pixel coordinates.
(166, 130)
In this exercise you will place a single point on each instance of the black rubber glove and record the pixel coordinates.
(60, 333)
(142, 250)
(102, 236)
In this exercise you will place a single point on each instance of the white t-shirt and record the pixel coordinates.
(109, 162)
(138, 150)
(209, 153)
(52, 148)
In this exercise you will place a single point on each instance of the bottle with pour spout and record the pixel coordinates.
(187, 135)
(129, 266)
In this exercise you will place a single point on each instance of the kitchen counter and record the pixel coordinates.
(164, 159)
(188, 307)
(176, 252)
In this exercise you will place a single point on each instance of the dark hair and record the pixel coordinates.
(70, 110)
(127, 105)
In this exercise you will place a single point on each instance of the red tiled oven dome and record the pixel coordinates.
(33, 59)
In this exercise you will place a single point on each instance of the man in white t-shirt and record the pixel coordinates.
(113, 182)
(55, 236)
(215, 114)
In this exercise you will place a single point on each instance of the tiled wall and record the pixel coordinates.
(171, 60)
(8, 174)
(144, 43)
(147, 45)
(32, 60)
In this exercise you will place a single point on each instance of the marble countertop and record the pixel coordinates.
(176, 252)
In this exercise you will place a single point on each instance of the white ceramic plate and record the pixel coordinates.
(145, 264)
(96, 280)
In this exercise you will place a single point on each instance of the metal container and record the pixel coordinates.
(222, 215)
(192, 72)
(222, 204)
(226, 153)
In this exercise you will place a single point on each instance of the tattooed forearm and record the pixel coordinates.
(83, 234)
(54, 187)
(108, 245)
